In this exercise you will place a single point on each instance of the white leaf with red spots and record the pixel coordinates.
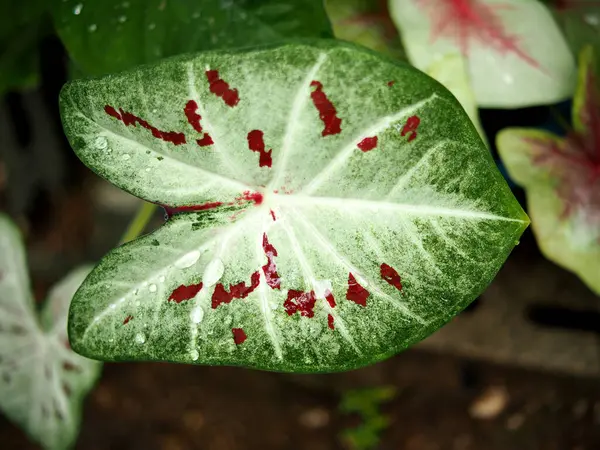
(42, 381)
(515, 53)
(379, 216)
(562, 179)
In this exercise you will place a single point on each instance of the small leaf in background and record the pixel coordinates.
(366, 403)
(580, 23)
(365, 22)
(112, 35)
(330, 207)
(516, 55)
(42, 381)
(562, 180)
(21, 27)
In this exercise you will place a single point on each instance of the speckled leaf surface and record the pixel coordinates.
(42, 381)
(451, 71)
(111, 35)
(516, 55)
(562, 179)
(334, 208)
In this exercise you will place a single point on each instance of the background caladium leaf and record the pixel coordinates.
(516, 55)
(365, 22)
(451, 71)
(330, 208)
(562, 180)
(580, 23)
(42, 381)
(112, 35)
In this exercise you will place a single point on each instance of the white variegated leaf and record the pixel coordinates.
(42, 381)
(516, 55)
(372, 215)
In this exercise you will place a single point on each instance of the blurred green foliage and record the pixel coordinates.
(366, 403)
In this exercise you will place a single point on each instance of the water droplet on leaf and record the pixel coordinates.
(195, 355)
(140, 338)
(101, 143)
(123, 19)
(126, 156)
(152, 288)
(93, 27)
(213, 272)
(77, 9)
(162, 279)
(197, 314)
(188, 260)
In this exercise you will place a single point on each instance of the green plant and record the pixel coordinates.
(314, 227)
(328, 206)
(366, 403)
(562, 180)
(42, 381)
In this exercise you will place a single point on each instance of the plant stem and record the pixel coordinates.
(139, 222)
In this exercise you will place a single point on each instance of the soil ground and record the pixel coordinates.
(175, 407)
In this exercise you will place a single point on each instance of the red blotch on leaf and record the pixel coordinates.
(356, 293)
(330, 299)
(327, 111)
(330, 321)
(129, 119)
(221, 89)
(389, 274)
(411, 127)
(183, 292)
(127, 319)
(468, 21)
(270, 269)
(239, 336)
(205, 141)
(273, 215)
(391, 83)
(193, 117)
(112, 112)
(248, 196)
(240, 290)
(299, 301)
(368, 144)
(180, 209)
(256, 143)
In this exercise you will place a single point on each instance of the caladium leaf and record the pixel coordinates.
(111, 35)
(516, 55)
(580, 22)
(42, 381)
(562, 180)
(330, 208)
(365, 22)
(451, 71)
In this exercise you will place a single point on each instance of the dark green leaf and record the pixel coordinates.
(21, 26)
(111, 35)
